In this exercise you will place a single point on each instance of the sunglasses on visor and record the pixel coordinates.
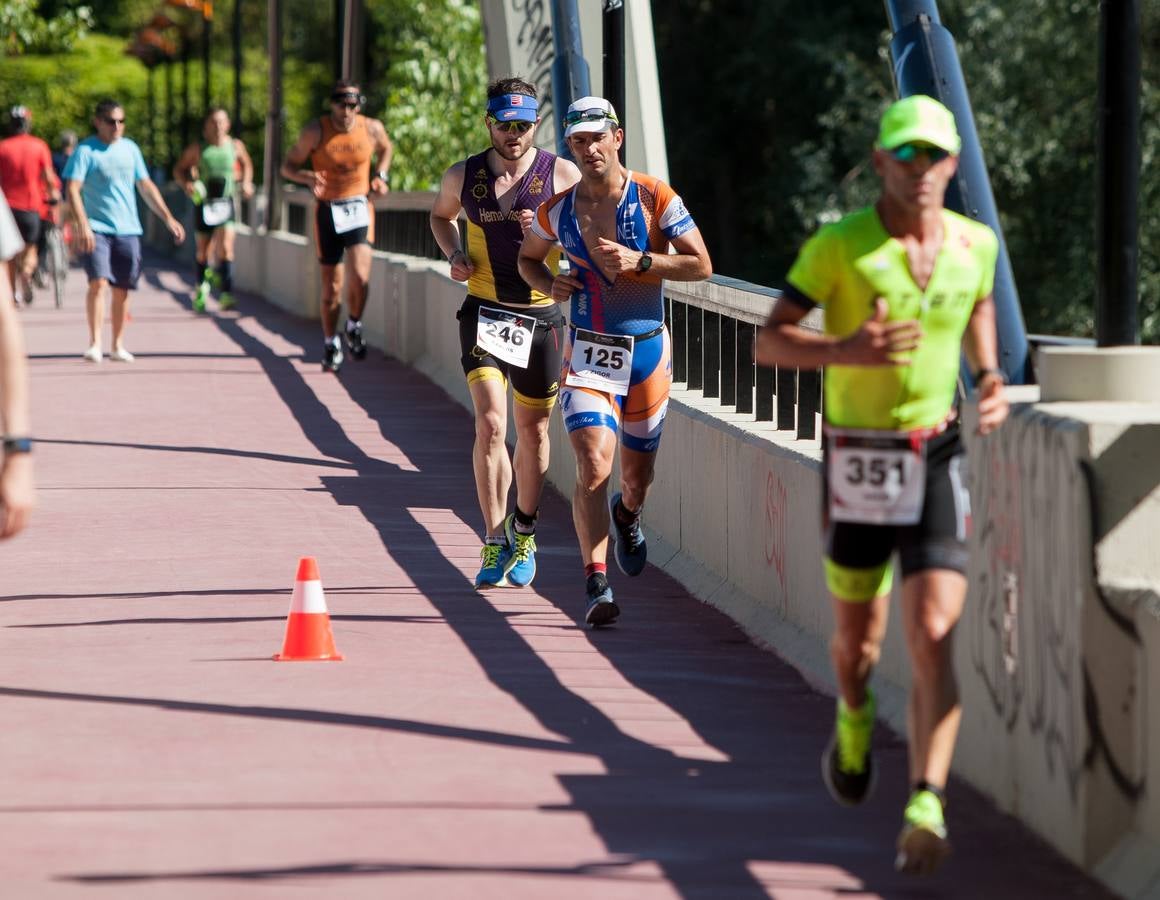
(596, 114)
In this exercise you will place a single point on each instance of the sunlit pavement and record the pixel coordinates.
(470, 745)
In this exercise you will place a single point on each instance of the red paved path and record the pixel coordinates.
(470, 746)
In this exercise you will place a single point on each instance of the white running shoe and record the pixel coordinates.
(93, 354)
(120, 354)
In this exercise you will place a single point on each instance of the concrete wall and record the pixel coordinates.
(1059, 651)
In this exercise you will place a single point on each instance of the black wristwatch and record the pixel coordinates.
(978, 376)
(645, 262)
(17, 445)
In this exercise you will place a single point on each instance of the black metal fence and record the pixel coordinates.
(713, 353)
(712, 326)
(405, 229)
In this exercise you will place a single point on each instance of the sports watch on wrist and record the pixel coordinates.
(645, 262)
(17, 445)
(982, 373)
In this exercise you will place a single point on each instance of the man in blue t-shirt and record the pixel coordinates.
(101, 176)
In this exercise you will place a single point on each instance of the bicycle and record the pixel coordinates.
(55, 260)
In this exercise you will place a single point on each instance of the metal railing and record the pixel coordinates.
(713, 326)
(712, 323)
(401, 220)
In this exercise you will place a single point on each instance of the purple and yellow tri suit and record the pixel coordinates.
(494, 237)
(649, 216)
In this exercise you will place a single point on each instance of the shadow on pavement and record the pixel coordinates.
(751, 820)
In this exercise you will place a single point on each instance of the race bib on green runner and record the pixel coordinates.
(875, 477)
(217, 212)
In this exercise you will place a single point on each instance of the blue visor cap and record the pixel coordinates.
(513, 108)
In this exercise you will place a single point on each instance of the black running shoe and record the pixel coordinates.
(354, 338)
(602, 609)
(332, 356)
(629, 547)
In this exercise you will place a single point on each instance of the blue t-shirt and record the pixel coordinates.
(109, 174)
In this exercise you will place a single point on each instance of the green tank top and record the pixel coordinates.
(846, 265)
(216, 169)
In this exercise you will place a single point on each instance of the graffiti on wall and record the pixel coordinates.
(1032, 577)
(535, 53)
(776, 517)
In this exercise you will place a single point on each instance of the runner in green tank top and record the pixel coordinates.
(208, 173)
(905, 287)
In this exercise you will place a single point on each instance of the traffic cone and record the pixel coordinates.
(308, 634)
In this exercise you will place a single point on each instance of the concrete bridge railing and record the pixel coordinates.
(1059, 652)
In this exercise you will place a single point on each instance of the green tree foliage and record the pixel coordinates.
(24, 30)
(62, 89)
(435, 82)
(798, 91)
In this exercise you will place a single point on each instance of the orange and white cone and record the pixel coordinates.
(308, 634)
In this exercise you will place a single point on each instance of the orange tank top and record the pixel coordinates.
(345, 157)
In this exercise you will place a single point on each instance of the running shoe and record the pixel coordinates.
(521, 566)
(120, 354)
(332, 355)
(354, 337)
(226, 301)
(629, 547)
(602, 609)
(922, 843)
(200, 296)
(847, 763)
(494, 559)
(93, 354)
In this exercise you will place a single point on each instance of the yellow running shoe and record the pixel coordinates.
(922, 843)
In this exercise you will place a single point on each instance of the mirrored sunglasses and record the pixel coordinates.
(910, 152)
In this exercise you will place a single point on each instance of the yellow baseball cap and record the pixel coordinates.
(918, 119)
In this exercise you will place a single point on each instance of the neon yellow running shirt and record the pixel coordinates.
(848, 264)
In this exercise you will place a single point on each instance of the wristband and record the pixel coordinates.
(17, 445)
(382, 176)
(982, 373)
(458, 252)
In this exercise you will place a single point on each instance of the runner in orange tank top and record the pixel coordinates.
(340, 148)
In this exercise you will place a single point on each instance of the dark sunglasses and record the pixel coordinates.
(910, 152)
(517, 127)
(347, 104)
(113, 121)
(596, 114)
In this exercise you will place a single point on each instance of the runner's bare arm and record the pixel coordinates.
(243, 156)
(445, 222)
(783, 342)
(16, 487)
(292, 169)
(185, 169)
(690, 263)
(565, 175)
(384, 151)
(533, 251)
(980, 343)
